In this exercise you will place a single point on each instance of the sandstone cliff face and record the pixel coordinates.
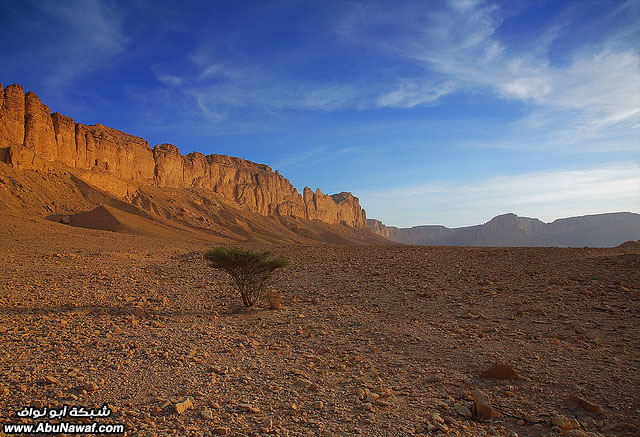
(12, 116)
(32, 138)
(379, 228)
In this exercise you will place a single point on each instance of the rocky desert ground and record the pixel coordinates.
(371, 340)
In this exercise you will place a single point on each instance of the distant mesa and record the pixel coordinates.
(509, 230)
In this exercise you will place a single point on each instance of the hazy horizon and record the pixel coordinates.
(439, 112)
(548, 221)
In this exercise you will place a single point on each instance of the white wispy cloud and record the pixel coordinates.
(84, 35)
(165, 78)
(547, 195)
(594, 89)
(410, 94)
(313, 156)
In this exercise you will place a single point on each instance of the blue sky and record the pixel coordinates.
(430, 112)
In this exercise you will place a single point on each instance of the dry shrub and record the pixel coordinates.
(250, 270)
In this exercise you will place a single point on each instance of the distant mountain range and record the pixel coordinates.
(600, 230)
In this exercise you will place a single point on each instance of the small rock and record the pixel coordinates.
(371, 398)
(564, 423)
(442, 427)
(436, 418)
(221, 430)
(90, 386)
(589, 406)
(245, 408)
(206, 413)
(48, 379)
(181, 407)
(500, 371)
(248, 408)
(481, 406)
(303, 382)
(608, 427)
(65, 219)
(462, 410)
(318, 405)
(367, 406)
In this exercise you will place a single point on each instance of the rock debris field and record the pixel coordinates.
(371, 340)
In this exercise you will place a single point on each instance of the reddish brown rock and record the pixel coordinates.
(12, 116)
(587, 405)
(126, 156)
(168, 166)
(481, 405)
(377, 227)
(65, 132)
(500, 371)
(39, 135)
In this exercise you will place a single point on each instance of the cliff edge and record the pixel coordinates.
(33, 138)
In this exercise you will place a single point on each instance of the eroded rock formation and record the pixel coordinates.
(33, 138)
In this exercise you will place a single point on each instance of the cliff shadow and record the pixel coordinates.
(97, 196)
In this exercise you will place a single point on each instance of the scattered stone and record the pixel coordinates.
(500, 371)
(367, 406)
(564, 423)
(90, 386)
(362, 393)
(371, 398)
(206, 413)
(48, 379)
(183, 406)
(303, 382)
(607, 427)
(462, 410)
(481, 408)
(248, 408)
(436, 418)
(221, 430)
(589, 406)
(318, 405)
(442, 427)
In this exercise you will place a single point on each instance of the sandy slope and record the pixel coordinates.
(151, 325)
(176, 214)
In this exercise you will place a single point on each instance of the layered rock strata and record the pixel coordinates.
(33, 138)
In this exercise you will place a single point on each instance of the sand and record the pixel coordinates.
(372, 340)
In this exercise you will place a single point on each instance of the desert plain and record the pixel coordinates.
(372, 340)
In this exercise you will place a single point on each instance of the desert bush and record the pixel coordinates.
(250, 270)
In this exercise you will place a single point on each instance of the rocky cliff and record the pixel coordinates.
(33, 138)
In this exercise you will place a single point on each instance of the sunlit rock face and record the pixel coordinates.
(33, 138)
